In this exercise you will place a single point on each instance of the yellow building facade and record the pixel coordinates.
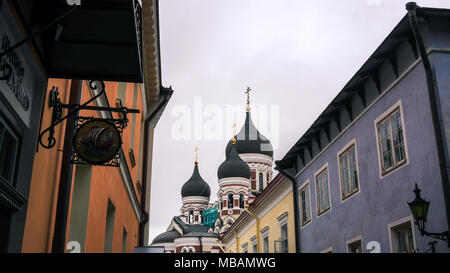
(267, 226)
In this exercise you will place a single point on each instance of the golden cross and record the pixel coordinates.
(248, 98)
(234, 132)
(196, 155)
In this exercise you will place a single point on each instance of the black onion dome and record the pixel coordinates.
(250, 141)
(195, 186)
(233, 166)
(167, 237)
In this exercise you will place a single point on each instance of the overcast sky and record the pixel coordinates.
(295, 55)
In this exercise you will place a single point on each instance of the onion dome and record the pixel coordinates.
(195, 186)
(233, 166)
(250, 140)
(167, 237)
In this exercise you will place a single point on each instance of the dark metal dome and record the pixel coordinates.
(250, 141)
(195, 186)
(233, 166)
(167, 237)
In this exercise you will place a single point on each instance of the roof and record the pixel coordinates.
(195, 186)
(401, 33)
(233, 166)
(193, 229)
(249, 140)
(166, 237)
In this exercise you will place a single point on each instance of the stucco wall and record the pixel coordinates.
(381, 200)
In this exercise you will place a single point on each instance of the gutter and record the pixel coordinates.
(433, 96)
(145, 151)
(258, 234)
(296, 212)
(66, 174)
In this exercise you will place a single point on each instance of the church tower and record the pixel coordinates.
(255, 150)
(195, 195)
(234, 189)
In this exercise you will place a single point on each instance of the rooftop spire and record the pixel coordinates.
(248, 98)
(234, 133)
(196, 156)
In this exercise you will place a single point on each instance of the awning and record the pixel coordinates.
(101, 39)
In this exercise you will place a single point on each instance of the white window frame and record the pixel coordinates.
(254, 244)
(303, 187)
(328, 249)
(323, 168)
(378, 120)
(393, 225)
(245, 248)
(342, 151)
(353, 240)
(265, 234)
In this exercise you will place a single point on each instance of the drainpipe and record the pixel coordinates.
(236, 239)
(258, 235)
(411, 7)
(65, 178)
(200, 241)
(296, 212)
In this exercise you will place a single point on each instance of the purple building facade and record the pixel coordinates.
(356, 167)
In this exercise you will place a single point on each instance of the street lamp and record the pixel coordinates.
(419, 209)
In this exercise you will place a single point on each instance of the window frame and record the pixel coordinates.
(395, 108)
(301, 189)
(316, 174)
(400, 224)
(346, 149)
(264, 236)
(359, 238)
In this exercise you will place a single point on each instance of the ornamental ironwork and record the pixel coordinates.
(96, 141)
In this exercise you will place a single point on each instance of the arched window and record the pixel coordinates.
(241, 201)
(201, 217)
(191, 216)
(261, 182)
(230, 201)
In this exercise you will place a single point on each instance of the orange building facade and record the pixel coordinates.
(103, 212)
(106, 209)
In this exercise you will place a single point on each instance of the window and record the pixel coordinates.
(241, 201)
(109, 232)
(284, 238)
(281, 245)
(230, 201)
(322, 190)
(254, 244)
(261, 182)
(266, 244)
(245, 248)
(8, 153)
(124, 241)
(391, 141)
(355, 245)
(201, 217)
(328, 250)
(305, 205)
(265, 240)
(191, 216)
(348, 172)
(402, 238)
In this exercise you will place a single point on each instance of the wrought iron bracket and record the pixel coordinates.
(55, 102)
(440, 236)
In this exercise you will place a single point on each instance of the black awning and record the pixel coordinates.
(101, 39)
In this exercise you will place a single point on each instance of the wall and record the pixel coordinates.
(381, 200)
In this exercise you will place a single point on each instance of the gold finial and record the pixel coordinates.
(234, 133)
(196, 155)
(248, 98)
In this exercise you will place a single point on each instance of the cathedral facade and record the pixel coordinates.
(245, 173)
